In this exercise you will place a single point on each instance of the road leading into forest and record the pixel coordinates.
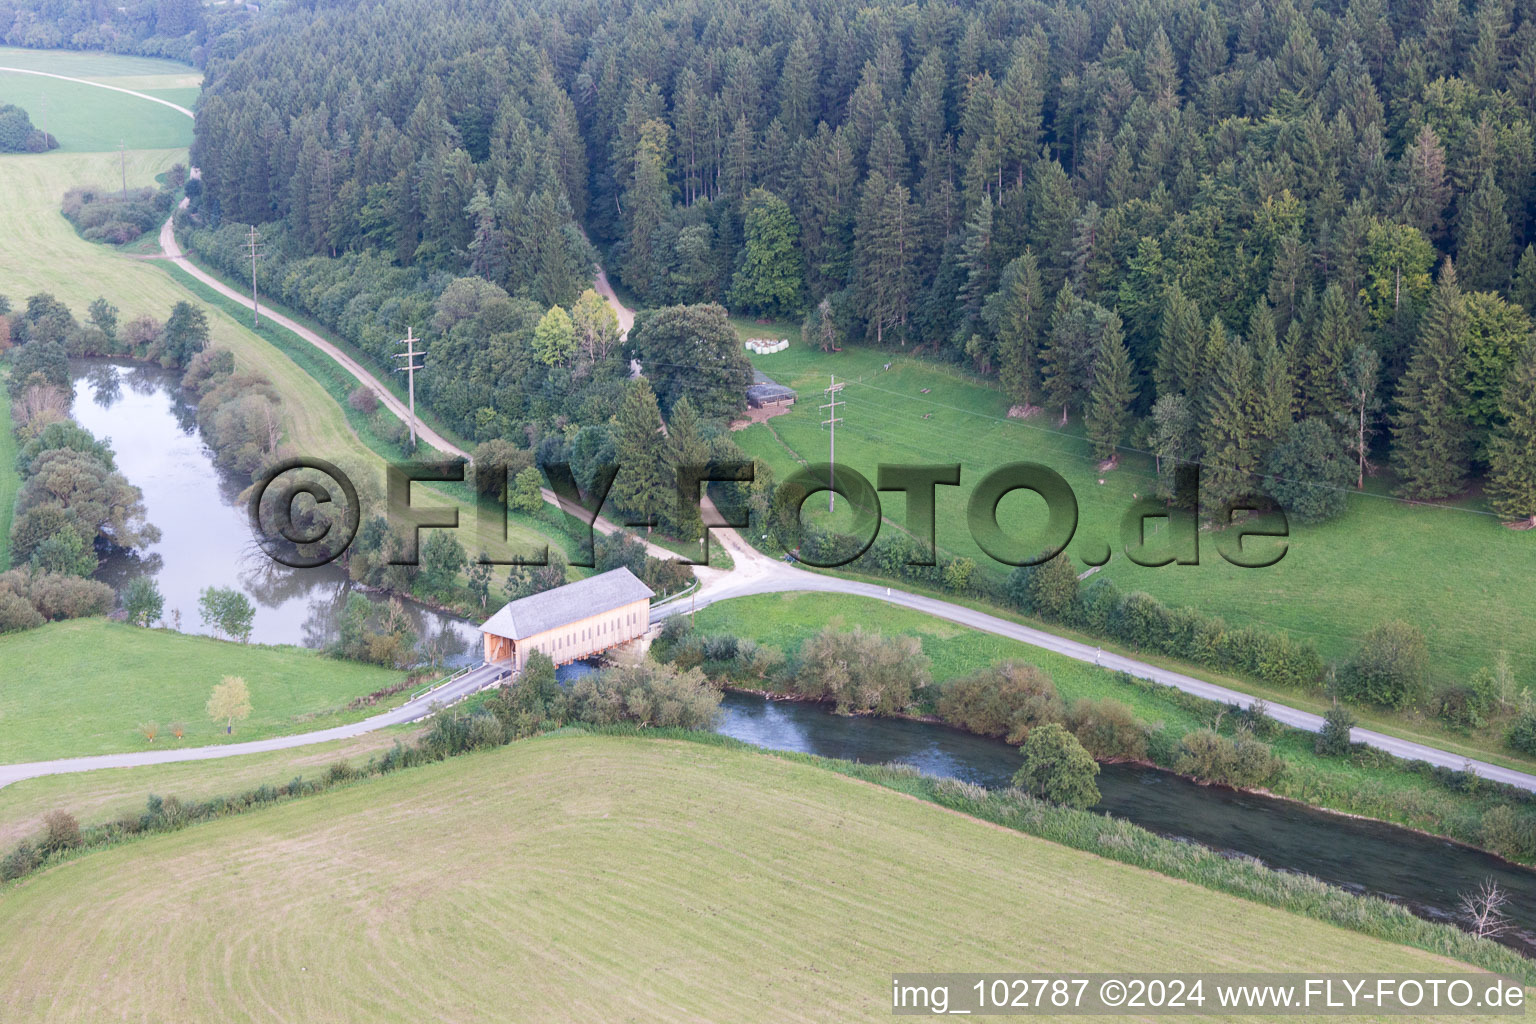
(171, 251)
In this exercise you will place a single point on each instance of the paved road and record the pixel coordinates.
(448, 693)
(756, 573)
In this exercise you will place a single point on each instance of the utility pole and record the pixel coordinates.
(832, 420)
(410, 368)
(253, 249)
(122, 149)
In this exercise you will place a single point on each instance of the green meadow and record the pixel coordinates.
(1452, 570)
(85, 686)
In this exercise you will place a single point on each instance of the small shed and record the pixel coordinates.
(764, 391)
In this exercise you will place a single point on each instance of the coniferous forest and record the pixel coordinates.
(1271, 237)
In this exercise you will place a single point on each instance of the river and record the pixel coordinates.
(205, 536)
(206, 541)
(1423, 873)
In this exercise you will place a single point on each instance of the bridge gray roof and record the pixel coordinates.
(563, 605)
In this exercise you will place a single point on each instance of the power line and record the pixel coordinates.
(832, 420)
(410, 368)
(253, 249)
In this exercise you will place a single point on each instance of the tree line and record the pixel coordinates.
(1263, 237)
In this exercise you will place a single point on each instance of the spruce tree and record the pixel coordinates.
(1231, 433)
(1429, 436)
(1336, 336)
(642, 487)
(1015, 312)
(1423, 188)
(647, 201)
(1068, 353)
(1276, 388)
(1113, 390)
(1524, 290)
(1181, 346)
(1512, 453)
(685, 448)
(1361, 377)
(884, 238)
(1483, 245)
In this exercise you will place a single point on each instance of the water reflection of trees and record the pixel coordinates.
(106, 385)
(144, 378)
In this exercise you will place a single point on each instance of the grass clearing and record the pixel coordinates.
(607, 878)
(84, 686)
(1459, 575)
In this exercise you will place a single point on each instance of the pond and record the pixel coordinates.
(206, 538)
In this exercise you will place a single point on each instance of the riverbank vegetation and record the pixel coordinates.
(117, 677)
(837, 813)
(1000, 688)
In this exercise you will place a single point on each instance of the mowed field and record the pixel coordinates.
(105, 794)
(86, 119)
(84, 686)
(581, 878)
(1457, 574)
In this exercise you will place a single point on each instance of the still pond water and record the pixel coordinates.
(205, 536)
(206, 541)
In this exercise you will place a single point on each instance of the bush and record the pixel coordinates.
(50, 597)
(1507, 833)
(1006, 700)
(1333, 740)
(1108, 729)
(1389, 669)
(1049, 590)
(647, 694)
(1210, 757)
(60, 832)
(1521, 735)
(721, 647)
(1462, 705)
(1057, 768)
(363, 399)
(862, 671)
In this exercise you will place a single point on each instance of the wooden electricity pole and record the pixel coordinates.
(122, 149)
(410, 368)
(253, 249)
(832, 420)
